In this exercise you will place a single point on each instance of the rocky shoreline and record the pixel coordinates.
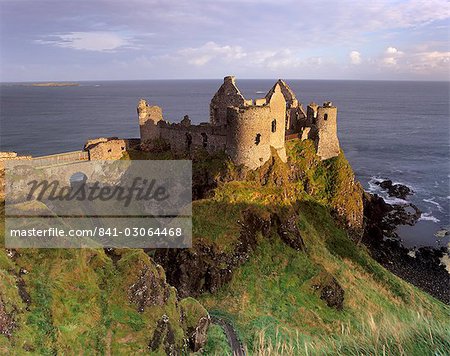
(422, 267)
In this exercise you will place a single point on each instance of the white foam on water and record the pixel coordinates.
(376, 189)
(428, 217)
(373, 187)
(395, 201)
(431, 201)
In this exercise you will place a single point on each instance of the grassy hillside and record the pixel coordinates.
(274, 303)
(83, 301)
(273, 253)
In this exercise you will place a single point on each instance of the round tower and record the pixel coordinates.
(248, 136)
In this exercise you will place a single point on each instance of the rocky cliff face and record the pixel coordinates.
(86, 301)
(265, 203)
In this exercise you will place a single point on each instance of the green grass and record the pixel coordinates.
(271, 300)
(80, 301)
(217, 343)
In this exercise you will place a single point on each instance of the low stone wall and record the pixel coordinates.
(7, 156)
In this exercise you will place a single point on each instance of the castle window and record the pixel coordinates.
(325, 117)
(205, 140)
(274, 125)
(257, 139)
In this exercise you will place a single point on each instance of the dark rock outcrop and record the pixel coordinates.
(423, 268)
(395, 190)
(329, 290)
(7, 320)
(381, 219)
(289, 232)
(148, 290)
(196, 321)
(164, 336)
(179, 325)
(204, 268)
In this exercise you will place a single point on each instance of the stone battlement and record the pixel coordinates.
(246, 129)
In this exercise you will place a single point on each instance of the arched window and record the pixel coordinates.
(257, 139)
(325, 117)
(274, 125)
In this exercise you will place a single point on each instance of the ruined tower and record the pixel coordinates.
(277, 104)
(295, 115)
(248, 138)
(227, 95)
(149, 116)
(324, 134)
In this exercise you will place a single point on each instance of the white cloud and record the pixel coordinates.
(202, 55)
(391, 56)
(416, 12)
(238, 56)
(89, 41)
(426, 62)
(392, 50)
(355, 57)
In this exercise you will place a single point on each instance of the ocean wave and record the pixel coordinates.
(394, 200)
(431, 201)
(428, 217)
(375, 188)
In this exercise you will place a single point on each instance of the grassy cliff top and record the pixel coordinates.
(323, 296)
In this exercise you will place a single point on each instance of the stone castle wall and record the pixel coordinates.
(11, 156)
(247, 130)
(227, 95)
(182, 138)
(109, 148)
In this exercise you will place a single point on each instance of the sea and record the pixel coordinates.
(396, 130)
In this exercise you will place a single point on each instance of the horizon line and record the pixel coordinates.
(237, 78)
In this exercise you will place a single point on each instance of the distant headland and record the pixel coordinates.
(52, 84)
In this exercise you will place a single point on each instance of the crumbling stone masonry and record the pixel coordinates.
(247, 130)
(323, 121)
(111, 148)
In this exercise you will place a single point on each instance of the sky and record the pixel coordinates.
(62, 40)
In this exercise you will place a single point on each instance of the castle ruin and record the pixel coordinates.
(246, 129)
